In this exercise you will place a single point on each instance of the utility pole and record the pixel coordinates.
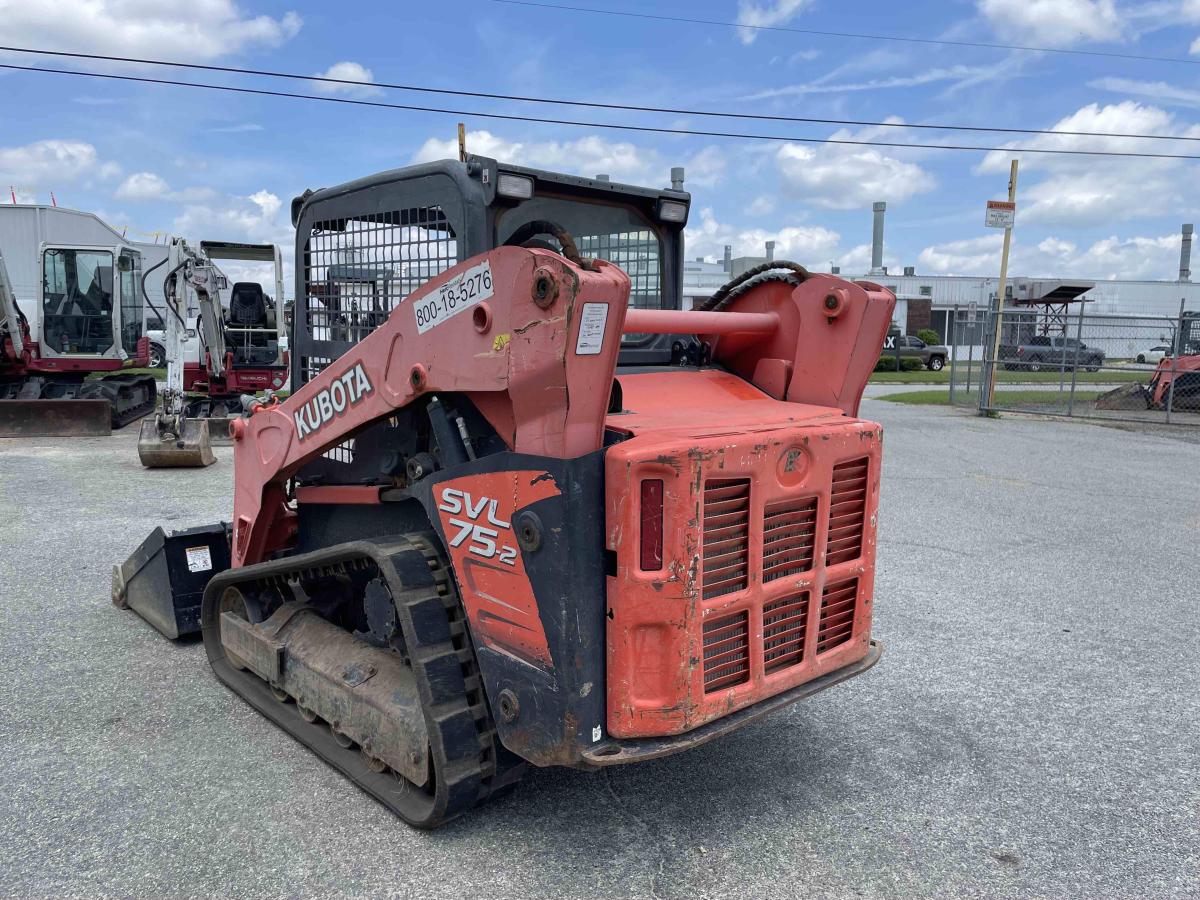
(462, 142)
(1011, 209)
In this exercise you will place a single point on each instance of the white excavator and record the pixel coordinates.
(239, 352)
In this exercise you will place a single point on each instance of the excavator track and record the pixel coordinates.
(466, 762)
(131, 396)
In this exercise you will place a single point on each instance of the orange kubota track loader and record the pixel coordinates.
(534, 513)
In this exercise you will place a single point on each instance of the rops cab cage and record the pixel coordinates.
(363, 247)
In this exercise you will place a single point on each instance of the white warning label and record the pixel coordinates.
(198, 559)
(591, 329)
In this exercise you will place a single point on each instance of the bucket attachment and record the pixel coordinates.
(219, 430)
(164, 579)
(170, 442)
(1127, 396)
(55, 418)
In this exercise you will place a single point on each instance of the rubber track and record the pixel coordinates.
(131, 396)
(462, 739)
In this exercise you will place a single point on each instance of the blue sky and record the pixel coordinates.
(219, 166)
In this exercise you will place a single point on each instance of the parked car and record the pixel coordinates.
(1154, 354)
(157, 332)
(932, 356)
(1046, 352)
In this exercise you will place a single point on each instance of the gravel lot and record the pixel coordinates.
(1032, 730)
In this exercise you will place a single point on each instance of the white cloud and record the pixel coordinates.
(971, 256)
(857, 260)
(244, 128)
(165, 29)
(348, 71)
(809, 245)
(766, 15)
(149, 186)
(1137, 257)
(958, 76)
(762, 205)
(143, 186)
(588, 155)
(841, 176)
(1082, 190)
(1152, 90)
(46, 164)
(1054, 23)
(254, 219)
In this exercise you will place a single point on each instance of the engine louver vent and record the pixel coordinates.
(784, 626)
(726, 651)
(726, 536)
(847, 511)
(789, 538)
(838, 602)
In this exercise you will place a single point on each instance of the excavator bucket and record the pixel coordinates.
(164, 579)
(55, 418)
(1127, 396)
(219, 430)
(186, 445)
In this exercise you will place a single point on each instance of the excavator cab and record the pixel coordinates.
(88, 320)
(90, 306)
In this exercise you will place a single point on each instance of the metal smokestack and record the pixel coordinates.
(770, 251)
(1185, 254)
(879, 208)
(677, 178)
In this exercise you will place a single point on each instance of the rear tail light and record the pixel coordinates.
(652, 525)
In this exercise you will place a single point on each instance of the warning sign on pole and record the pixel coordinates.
(1000, 214)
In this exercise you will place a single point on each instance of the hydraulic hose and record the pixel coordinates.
(730, 291)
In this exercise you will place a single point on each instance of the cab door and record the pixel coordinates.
(77, 302)
(129, 265)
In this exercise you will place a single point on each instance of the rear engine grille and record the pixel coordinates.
(784, 627)
(726, 651)
(726, 536)
(789, 537)
(838, 603)
(847, 511)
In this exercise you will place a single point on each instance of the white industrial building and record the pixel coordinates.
(929, 301)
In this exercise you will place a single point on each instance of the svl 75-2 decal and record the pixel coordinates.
(480, 536)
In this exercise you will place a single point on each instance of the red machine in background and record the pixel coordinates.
(90, 317)
(1176, 381)
(534, 512)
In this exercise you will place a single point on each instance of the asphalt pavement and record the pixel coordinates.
(1033, 729)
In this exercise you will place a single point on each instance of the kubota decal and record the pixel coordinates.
(330, 402)
(476, 513)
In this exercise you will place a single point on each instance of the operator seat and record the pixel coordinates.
(247, 306)
(249, 326)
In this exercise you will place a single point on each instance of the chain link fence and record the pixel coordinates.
(1062, 360)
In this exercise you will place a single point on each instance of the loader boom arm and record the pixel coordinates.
(532, 340)
(10, 316)
(504, 328)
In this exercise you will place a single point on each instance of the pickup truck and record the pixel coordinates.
(1046, 352)
(932, 356)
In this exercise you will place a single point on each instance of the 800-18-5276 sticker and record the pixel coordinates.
(470, 287)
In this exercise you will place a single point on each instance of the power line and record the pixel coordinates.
(589, 104)
(985, 45)
(613, 126)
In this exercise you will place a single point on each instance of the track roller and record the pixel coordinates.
(407, 722)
